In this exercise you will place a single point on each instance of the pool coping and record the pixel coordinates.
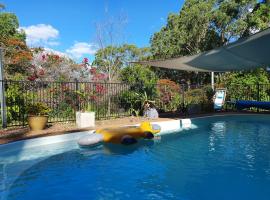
(63, 133)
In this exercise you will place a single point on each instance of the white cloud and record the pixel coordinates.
(81, 48)
(41, 35)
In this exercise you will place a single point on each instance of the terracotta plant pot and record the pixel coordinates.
(37, 123)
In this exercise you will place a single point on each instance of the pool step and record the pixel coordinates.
(185, 123)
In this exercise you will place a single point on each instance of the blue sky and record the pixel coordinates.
(69, 25)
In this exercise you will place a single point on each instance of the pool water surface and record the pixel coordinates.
(226, 157)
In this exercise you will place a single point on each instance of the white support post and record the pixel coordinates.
(213, 80)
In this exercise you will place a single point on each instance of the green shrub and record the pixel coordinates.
(169, 95)
(195, 96)
(63, 110)
(15, 100)
(38, 108)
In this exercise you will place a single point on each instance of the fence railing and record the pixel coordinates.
(255, 92)
(112, 100)
(64, 99)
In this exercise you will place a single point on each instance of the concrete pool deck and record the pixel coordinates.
(11, 135)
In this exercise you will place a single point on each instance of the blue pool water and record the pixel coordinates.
(225, 158)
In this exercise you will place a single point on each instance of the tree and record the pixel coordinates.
(186, 33)
(17, 55)
(202, 25)
(114, 61)
(259, 18)
(141, 78)
(247, 78)
(109, 34)
(50, 65)
(141, 81)
(111, 59)
(9, 26)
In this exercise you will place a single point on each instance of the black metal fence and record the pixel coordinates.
(254, 92)
(64, 99)
(113, 100)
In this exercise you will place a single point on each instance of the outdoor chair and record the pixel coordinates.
(219, 98)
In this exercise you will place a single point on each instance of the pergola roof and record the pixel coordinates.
(244, 54)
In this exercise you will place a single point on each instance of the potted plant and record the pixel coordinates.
(85, 117)
(37, 116)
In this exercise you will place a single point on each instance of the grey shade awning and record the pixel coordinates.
(244, 54)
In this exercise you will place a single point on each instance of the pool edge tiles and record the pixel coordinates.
(35, 142)
(21, 150)
(175, 126)
(166, 126)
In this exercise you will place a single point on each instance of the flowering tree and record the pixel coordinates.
(50, 66)
(17, 57)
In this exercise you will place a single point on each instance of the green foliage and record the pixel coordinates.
(131, 101)
(15, 101)
(203, 25)
(209, 92)
(201, 97)
(259, 18)
(252, 77)
(142, 79)
(168, 95)
(9, 26)
(195, 96)
(37, 108)
(112, 59)
(17, 55)
(62, 111)
(246, 84)
(184, 33)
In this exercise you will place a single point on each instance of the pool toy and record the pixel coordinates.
(121, 135)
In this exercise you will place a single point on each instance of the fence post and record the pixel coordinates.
(2, 92)
(183, 94)
(258, 94)
(77, 97)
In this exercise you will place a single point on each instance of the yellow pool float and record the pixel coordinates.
(128, 135)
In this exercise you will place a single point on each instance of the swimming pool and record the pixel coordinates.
(226, 157)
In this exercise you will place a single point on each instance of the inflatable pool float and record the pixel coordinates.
(121, 135)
